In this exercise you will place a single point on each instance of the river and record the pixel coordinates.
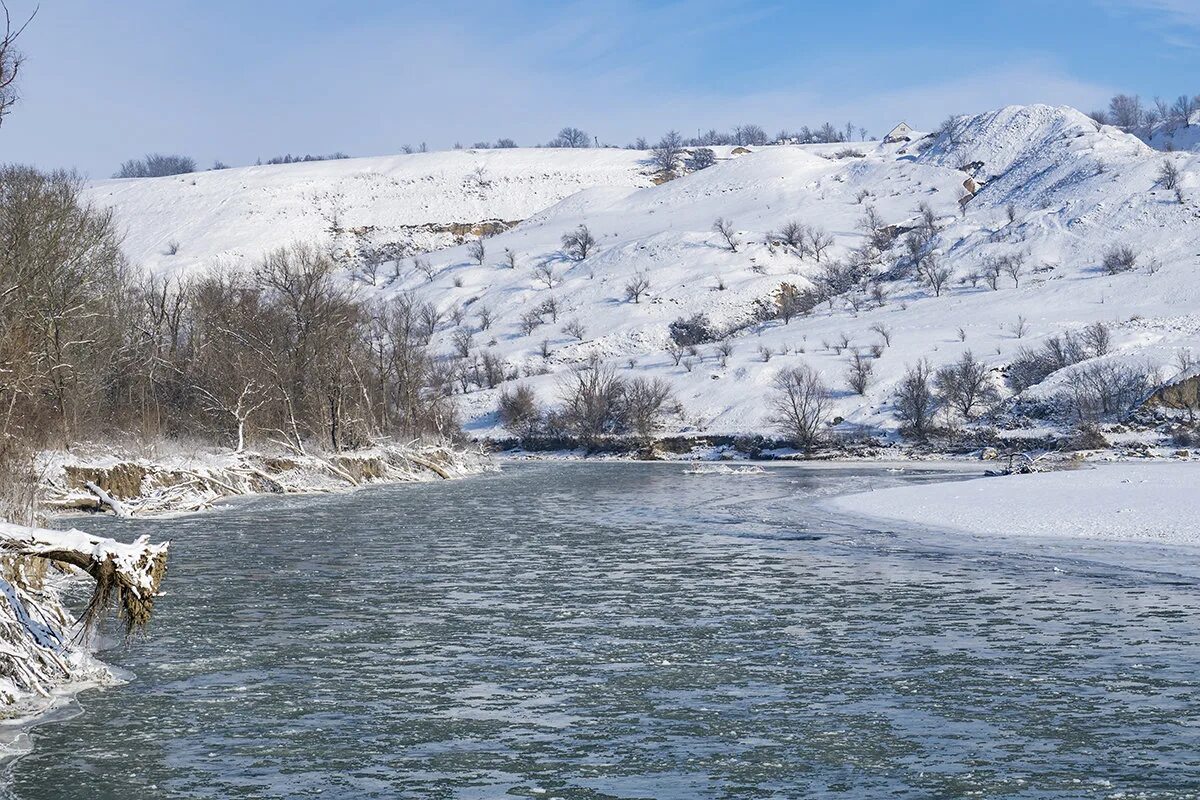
(620, 630)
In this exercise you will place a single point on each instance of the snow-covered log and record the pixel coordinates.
(126, 574)
(107, 499)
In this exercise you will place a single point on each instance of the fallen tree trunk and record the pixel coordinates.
(107, 499)
(127, 575)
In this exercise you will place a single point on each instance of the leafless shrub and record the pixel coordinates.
(1118, 259)
(724, 351)
(579, 243)
(884, 332)
(575, 329)
(519, 411)
(1103, 389)
(693, 330)
(1020, 327)
(725, 228)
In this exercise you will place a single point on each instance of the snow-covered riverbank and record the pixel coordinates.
(173, 483)
(1133, 501)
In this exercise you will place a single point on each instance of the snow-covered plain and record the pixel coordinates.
(1075, 188)
(1135, 501)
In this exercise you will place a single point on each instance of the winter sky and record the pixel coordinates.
(235, 81)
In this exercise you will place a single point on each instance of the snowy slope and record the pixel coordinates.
(407, 202)
(1076, 188)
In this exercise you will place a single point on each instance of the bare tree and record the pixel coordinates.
(550, 306)
(519, 411)
(11, 60)
(156, 165)
(575, 329)
(1168, 175)
(858, 372)
(725, 228)
(818, 242)
(578, 243)
(530, 321)
(544, 273)
(749, 134)
(884, 332)
(638, 285)
(1125, 111)
(1013, 265)
(724, 351)
(915, 401)
(1096, 339)
(510, 258)
(676, 350)
(475, 250)
(965, 385)
(667, 154)
(485, 317)
(462, 340)
(936, 275)
(799, 405)
(423, 266)
(571, 137)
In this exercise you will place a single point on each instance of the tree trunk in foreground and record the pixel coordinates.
(127, 575)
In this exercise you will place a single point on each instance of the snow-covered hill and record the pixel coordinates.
(1073, 189)
(398, 205)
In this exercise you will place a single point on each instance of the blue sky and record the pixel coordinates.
(240, 80)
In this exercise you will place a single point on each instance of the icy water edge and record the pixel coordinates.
(625, 631)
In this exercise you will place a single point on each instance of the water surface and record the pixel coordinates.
(625, 631)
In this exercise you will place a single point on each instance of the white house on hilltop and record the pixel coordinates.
(900, 133)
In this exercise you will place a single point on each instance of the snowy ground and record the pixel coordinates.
(1132, 501)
